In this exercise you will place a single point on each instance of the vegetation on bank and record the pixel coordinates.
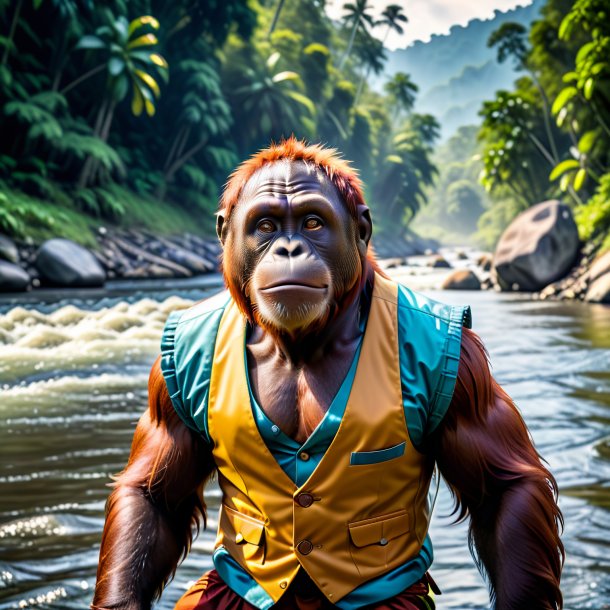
(549, 137)
(134, 113)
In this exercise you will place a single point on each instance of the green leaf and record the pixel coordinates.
(588, 88)
(565, 95)
(579, 180)
(565, 28)
(564, 166)
(90, 42)
(303, 100)
(116, 65)
(394, 159)
(584, 51)
(149, 81)
(586, 142)
(564, 183)
(283, 76)
(121, 87)
(272, 60)
(136, 24)
(147, 40)
(569, 77)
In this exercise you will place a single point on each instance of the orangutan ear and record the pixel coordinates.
(220, 226)
(365, 224)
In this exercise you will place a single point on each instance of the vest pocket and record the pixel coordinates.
(245, 534)
(378, 542)
(365, 458)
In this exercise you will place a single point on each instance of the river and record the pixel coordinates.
(73, 383)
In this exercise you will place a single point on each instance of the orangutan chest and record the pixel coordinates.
(296, 402)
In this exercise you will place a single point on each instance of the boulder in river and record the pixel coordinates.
(62, 262)
(438, 262)
(8, 250)
(12, 277)
(538, 248)
(462, 279)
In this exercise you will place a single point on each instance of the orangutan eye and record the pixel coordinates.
(265, 226)
(312, 223)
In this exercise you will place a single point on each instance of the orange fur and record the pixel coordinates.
(496, 476)
(339, 172)
(154, 507)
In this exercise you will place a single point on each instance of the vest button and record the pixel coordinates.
(239, 538)
(305, 547)
(383, 541)
(305, 500)
(283, 584)
(304, 456)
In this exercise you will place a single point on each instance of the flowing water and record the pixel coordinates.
(73, 384)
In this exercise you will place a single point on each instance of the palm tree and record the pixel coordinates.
(392, 16)
(401, 90)
(403, 177)
(510, 40)
(202, 114)
(356, 14)
(372, 55)
(128, 60)
(267, 104)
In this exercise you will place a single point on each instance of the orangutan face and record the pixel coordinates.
(292, 247)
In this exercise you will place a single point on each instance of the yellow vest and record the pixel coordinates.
(363, 511)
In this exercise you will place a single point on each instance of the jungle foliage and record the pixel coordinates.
(136, 111)
(550, 136)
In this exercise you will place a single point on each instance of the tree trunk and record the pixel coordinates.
(278, 10)
(102, 125)
(351, 43)
(11, 33)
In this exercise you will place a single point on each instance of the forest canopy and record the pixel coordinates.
(134, 113)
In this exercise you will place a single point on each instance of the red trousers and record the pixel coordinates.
(211, 593)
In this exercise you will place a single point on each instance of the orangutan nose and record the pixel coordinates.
(289, 247)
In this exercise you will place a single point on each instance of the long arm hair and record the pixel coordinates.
(496, 476)
(154, 507)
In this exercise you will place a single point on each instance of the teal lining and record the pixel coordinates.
(361, 458)
(428, 368)
(190, 336)
(240, 581)
(460, 317)
(286, 450)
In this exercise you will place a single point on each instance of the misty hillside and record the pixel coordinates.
(455, 72)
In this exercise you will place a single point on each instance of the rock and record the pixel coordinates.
(485, 261)
(141, 256)
(462, 279)
(8, 250)
(64, 263)
(599, 290)
(391, 263)
(461, 255)
(599, 267)
(538, 247)
(438, 262)
(12, 277)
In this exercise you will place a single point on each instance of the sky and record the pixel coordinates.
(427, 17)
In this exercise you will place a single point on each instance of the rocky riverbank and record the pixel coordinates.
(120, 255)
(134, 255)
(539, 253)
